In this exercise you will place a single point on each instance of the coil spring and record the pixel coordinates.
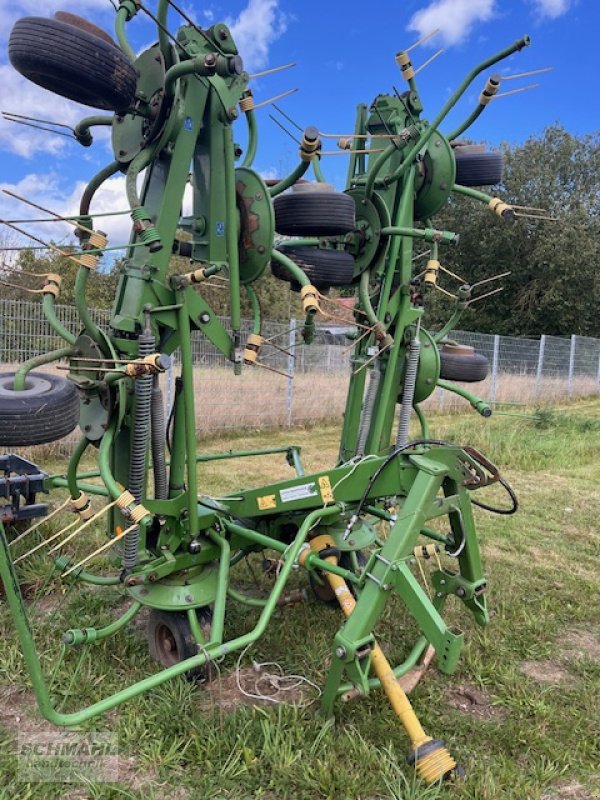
(139, 445)
(410, 380)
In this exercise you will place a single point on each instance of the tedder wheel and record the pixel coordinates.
(462, 363)
(45, 411)
(324, 268)
(85, 25)
(323, 591)
(478, 169)
(313, 209)
(73, 63)
(170, 640)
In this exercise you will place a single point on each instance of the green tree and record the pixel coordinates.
(554, 286)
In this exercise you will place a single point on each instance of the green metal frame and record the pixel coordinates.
(187, 543)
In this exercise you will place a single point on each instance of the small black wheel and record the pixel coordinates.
(170, 640)
(478, 169)
(322, 591)
(85, 25)
(45, 411)
(462, 363)
(73, 63)
(324, 268)
(313, 209)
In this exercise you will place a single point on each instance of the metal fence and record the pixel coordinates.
(298, 383)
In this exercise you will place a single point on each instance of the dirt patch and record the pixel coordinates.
(578, 644)
(570, 791)
(18, 711)
(545, 671)
(256, 687)
(474, 701)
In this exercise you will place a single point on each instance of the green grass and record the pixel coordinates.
(543, 569)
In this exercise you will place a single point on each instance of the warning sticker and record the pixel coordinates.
(326, 490)
(298, 492)
(266, 501)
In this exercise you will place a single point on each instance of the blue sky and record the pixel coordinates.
(345, 55)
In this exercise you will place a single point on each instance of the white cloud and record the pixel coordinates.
(255, 29)
(20, 96)
(454, 18)
(552, 8)
(47, 190)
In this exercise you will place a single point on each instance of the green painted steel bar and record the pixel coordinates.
(291, 179)
(74, 461)
(124, 14)
(475, 114)
(449, 105)
(377, 166)
(239, 597)
(59, 482)
(474, 194)
(189, 416)
(94, 184)
(297, 273)
(422, 421)
(232, 232)
(163, 39)
(250, 154)
(104, 452)
(19, 614)
(427, 234)
(316, 165)
(48, 307)
(365, 299)
(481, 406)
(431, 534)
(404, 214)
(459, 310)
(267, 451)
(81, 131)
(409, 663)
(88, 323)
(304, 241)
(79, 636)
(37, 361)
(220, 602)
(194, 66)
(256, 315)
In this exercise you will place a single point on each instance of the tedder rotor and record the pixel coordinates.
(170, 547)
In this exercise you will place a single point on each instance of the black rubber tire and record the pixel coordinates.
(85, 25)
(73, 63)
(313, 213)
(466, 368)
(478, 169)
(323, 592)
(45, 411)
(175, 626)
(323, 268)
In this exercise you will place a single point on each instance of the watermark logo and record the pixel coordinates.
(65, 757)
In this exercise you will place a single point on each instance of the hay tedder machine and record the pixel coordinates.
(359, 529)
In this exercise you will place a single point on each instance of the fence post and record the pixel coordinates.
(571, 365)
(540, 365)
(495, 359)
(291, 367)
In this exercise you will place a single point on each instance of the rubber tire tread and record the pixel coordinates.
(314, 214)
(178, 623)
(323, 268)
(466, 369)
(83, 24)
(44, 418)
(478, 169)
(72, 63)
